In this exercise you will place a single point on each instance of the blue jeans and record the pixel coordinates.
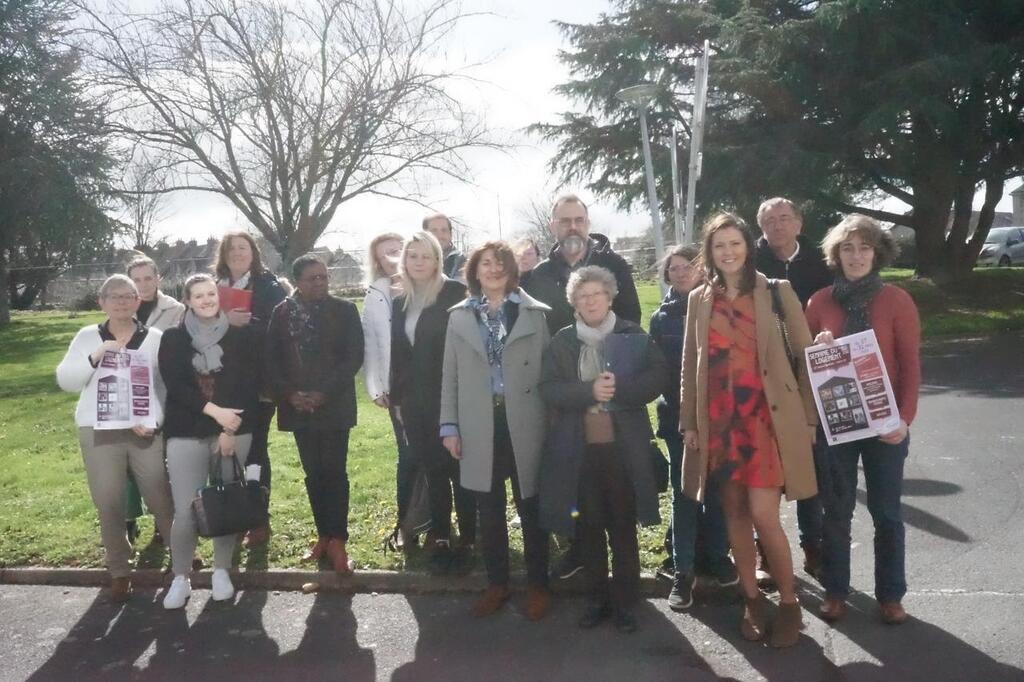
(810, 513)
(694, 522)
(883, 478)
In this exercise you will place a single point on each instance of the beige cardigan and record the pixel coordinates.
(790, 399)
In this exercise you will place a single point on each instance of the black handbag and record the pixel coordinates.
(780, 320)
(228, 508)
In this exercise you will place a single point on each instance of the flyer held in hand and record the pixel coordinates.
(851, 388)
(124, 391)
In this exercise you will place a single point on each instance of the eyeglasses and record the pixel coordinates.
(578, 221)
(120, 298)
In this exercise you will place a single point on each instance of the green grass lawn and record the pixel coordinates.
(47, 518)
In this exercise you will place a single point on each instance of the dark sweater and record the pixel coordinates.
(668, 324)
(547, 281)
(236, 385)
(329, 368)
(807, 272)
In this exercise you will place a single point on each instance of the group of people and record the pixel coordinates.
(496, 367)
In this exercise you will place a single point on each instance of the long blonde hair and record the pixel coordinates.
(373, 269)
(425, 294)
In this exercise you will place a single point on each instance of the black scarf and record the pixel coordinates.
(855, 297)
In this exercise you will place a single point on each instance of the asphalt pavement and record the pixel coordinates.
(965, 540)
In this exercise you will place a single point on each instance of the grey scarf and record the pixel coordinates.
(592, 352)
(206, 341)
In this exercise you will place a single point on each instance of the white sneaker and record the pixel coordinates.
(178, 593)
(222, 588)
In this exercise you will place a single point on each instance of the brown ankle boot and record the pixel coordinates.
(314, 553)
(538, 601)
(755, 617)
(493, 598)
(339, 557)
(787, 625)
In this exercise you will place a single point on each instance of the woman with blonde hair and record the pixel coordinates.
(384, 284)
(419, 321)
(748, 422)
(857, 249)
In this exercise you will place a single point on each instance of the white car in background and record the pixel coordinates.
(1004, 246)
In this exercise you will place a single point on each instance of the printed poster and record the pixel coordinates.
(124, 391)
(851, 388)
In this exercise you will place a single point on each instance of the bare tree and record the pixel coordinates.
(144, 187)
(535, 223)
(288, 109)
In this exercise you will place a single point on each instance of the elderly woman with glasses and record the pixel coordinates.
(599, 374)
(109, 455)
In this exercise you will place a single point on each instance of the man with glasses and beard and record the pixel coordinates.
(577, 246)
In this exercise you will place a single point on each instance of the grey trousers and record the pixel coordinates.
(188, 463)
(108, 456)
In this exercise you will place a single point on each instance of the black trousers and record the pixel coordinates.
(608, 517)
(494, 525)
(324, 456)
(258, 453)
(443, 486)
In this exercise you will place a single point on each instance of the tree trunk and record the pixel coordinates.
(5, 299)
(930, 222)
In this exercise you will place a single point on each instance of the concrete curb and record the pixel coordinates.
(364, 581)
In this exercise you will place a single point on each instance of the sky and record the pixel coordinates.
(518, 44)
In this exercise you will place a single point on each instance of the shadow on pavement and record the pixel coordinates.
(922, 520)
(329, 648)
(989, 367)
(916, 650)
(455, 647)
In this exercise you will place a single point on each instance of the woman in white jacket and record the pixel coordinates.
(382, 259)
(109, 454)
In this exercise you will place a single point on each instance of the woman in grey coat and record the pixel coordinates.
(599, 374)
(492, 415)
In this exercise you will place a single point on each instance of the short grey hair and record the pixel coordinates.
(588, 274)
(117, 282)
(769, 204)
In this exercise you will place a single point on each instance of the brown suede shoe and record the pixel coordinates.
(338, 555)
(893, 613)
(538, 601)
(314, 553)
(786, 628)
(120, 589)
(256, 537)
(832, 609)
(755, 617)
(493, 598)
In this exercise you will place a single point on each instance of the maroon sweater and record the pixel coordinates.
(894, 318)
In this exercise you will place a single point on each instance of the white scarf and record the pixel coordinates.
(592, 352)
(240, 283)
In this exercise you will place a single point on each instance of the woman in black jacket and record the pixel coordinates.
(314, 349)
(211, 370)
(240, 266)
(419, 321)
(597, 472)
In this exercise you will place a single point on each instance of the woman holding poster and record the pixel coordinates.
(90, 368)
(857, 249)
(748, 422)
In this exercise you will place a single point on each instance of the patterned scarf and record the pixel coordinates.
(304, 319)
(495, 321)
(855, 297)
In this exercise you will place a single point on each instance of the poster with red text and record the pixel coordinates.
(124, 391)
(851, 388)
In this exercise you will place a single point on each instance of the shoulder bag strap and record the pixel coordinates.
(780, 320)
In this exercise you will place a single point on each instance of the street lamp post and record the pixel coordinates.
(640, 96)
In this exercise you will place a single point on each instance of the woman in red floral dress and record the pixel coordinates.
(748, 421)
